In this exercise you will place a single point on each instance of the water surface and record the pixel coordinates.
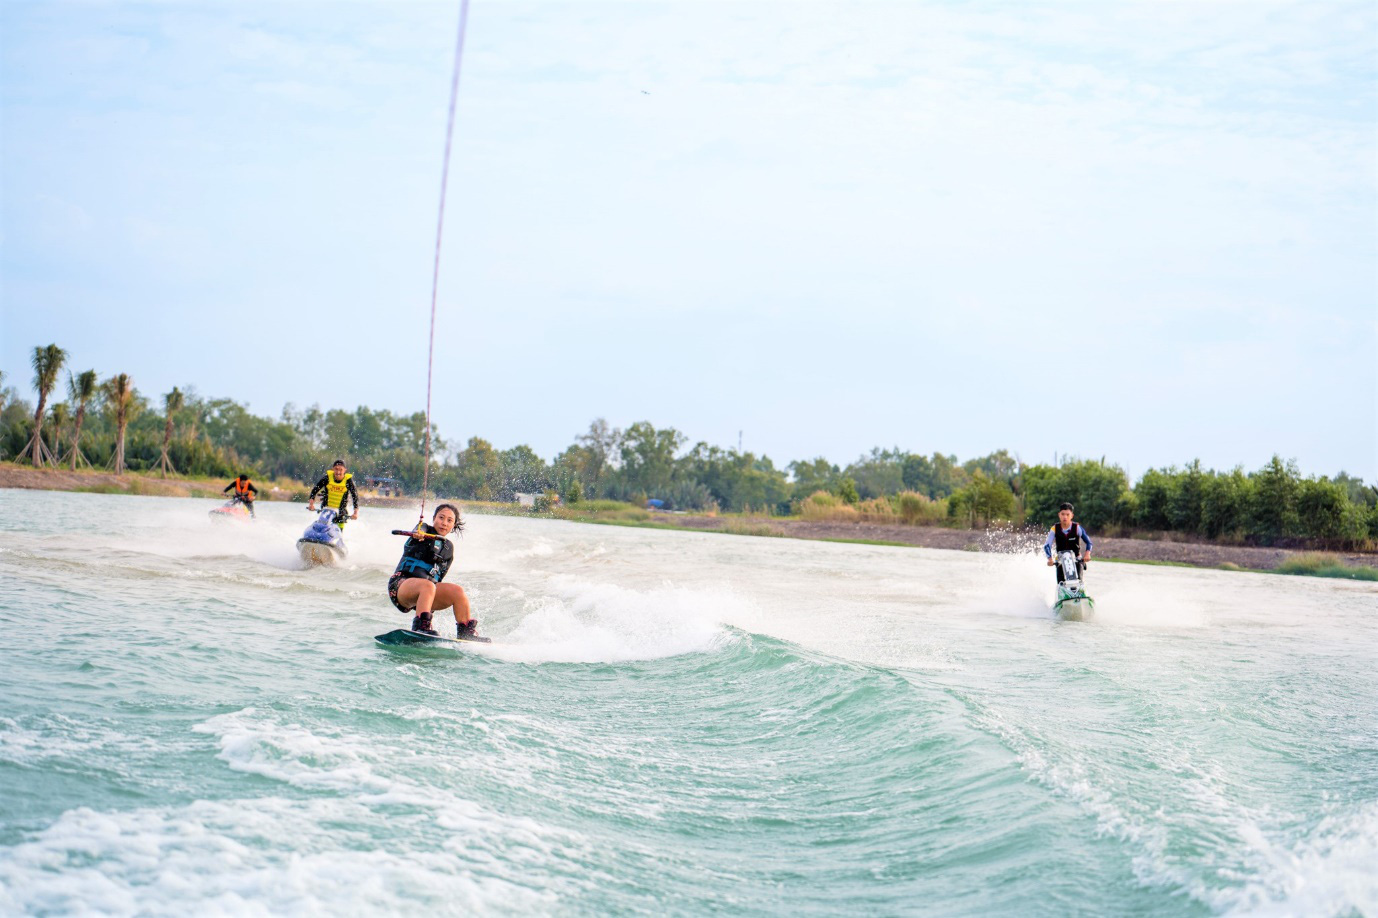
(681, 723)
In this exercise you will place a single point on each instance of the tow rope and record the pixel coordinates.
(435, 274)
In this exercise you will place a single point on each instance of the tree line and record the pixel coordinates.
(108, 423)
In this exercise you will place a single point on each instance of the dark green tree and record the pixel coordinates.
(879, 473)
(1226, 500)
(982, 501)
(1273, 513)
(814, 475)
(1099, 492)
(648, 457)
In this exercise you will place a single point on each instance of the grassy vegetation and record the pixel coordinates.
(152, 484)
(1100, 559)
(1311, 564)
(1320, 564)
(908, 508)
(102, 489)
(871, 542)
(743, 527)
(589, 511)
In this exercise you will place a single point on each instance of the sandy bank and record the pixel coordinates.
(20, 476)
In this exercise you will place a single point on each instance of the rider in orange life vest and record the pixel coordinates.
(334, 488)
(244, 491)
(1067, 536)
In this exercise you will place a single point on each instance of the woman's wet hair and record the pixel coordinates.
(459, 526)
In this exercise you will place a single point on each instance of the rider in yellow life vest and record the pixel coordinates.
(334, 488)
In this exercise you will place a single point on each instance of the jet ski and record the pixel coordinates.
(234, 509)
(1073, 604)
(323, 543)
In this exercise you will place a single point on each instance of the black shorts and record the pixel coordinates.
(394, 583)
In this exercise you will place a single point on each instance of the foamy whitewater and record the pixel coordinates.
(669, 723)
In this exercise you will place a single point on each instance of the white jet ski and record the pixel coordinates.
(1073, 604)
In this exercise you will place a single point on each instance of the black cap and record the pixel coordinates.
(337, 462)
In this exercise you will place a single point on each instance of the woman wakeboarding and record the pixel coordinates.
(416, 584)
(428, 554)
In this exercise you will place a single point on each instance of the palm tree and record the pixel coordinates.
(47, 361)
(80, 390)
(61, 415)
(119, 397)
(173, 402)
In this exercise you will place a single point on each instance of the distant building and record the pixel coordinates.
(538, 502)
(383, 487)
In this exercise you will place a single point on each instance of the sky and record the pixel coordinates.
(1140, 231)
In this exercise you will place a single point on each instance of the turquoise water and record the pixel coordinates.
(671, 722)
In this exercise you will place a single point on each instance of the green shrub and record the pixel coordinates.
(917, 509)
(982, 501)
(876, 510)
(820, 505)
(846, 490)
(1325, 512)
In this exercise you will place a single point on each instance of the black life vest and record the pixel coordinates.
(428, 558)
(1069, 540)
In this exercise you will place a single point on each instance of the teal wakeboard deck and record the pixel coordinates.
(404, 638)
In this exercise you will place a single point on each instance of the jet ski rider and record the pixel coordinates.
(334, 488)
(244, 492)
(1067, 536)
(416, 584)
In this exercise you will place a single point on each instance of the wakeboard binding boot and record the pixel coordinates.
(421, 624)
(468, 631)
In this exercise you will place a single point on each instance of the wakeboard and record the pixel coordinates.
(404, 638)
